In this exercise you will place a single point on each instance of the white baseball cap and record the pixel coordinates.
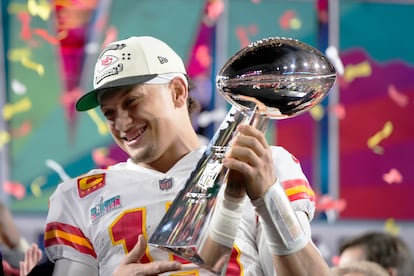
(134, 60)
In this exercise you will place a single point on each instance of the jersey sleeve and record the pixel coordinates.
(294, 181)
(65, 233)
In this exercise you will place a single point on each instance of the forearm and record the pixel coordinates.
(288, 235)
(9, 233)
(305, 262)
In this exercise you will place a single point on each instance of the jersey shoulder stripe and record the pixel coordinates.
(59, 233)
(298, 189)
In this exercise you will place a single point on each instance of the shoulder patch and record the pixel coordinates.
(91, 183)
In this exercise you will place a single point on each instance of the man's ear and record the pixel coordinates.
(179, 91)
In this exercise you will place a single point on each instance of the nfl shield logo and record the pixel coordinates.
(165, 184)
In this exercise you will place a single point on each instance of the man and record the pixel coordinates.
(389, 251)
(98, 223)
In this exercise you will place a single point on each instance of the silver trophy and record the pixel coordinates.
(272, 78)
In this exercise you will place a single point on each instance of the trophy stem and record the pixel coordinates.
(184, 228)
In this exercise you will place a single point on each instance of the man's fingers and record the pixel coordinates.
(162, 266)
(137, 252)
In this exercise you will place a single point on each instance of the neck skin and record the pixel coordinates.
(187, 142)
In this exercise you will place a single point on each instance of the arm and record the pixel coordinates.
(293, 252)
(9, 234)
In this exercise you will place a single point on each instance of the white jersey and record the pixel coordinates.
(96, 218)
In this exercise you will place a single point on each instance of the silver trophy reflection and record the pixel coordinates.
(272, 78)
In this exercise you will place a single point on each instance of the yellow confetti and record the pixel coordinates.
(102, 128)
(295, 24)
(36, 185)
(24, 57)
(41, 9)
(391, 227)
(380, 135)
(317, 112)
(4, 138)
(10, 110)
(352, 72)
(15, 8)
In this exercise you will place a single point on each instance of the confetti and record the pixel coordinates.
(338, 110)
(24, 129)
(55, 166)
(101, 159)
(243, 33)
(317, 112)
(393, 176)
(15, 189)
(24, 57)
(18, 88)
(10, 110)
(46, 36)
(391, 227)
(41, 9)
(352, 72)
(70, 97)
(333, 55)
(286, 18)
(202, 55)
(36, 185)
(330, 207)
(384, 133)
(295, 24)
(214, 10)
(398, 97)
(102, 128)
(25, 32)
(4, 138)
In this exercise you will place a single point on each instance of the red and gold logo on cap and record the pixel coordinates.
(91, 183)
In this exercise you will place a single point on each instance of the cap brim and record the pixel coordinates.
(90, 99)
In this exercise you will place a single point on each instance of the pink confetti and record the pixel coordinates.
(100, 158)
(338, 110)
(286, 18)
(15, 189)
(398, 97)
(215, 9)
(46, 36)
(243, 33)
(70, 97)
(25, 32)
(203, 56)
(24, 129)
(393, 176)
(326, 203)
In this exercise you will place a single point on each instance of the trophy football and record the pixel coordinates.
(272, 78)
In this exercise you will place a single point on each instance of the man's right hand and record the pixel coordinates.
(131, 265)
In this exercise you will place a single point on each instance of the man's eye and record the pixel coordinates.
(131, 100)
(108, 113)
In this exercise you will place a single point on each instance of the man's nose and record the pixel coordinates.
(122, 120)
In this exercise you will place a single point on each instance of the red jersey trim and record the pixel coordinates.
(63, 234)
(298, 189)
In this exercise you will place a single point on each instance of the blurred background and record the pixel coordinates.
(356, 147)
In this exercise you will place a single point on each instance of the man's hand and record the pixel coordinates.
(250, 162)
(31, 257)
(130, 265)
